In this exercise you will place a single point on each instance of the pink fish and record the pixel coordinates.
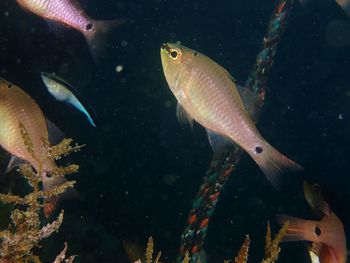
(70, 14)
(207, 93)
(16, 107)
(327, 235)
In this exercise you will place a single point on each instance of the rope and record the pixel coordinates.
(224, 163)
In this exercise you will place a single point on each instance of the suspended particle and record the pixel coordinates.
(119, 68)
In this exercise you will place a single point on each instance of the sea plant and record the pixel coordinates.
(26, 230)
(272, 249)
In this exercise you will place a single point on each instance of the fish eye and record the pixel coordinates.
(89, 26)
(174, 54)
(317, 230)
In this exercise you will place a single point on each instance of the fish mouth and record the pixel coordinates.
(165, 47)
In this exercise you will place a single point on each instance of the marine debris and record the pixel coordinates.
(26, 229)
(223, 164)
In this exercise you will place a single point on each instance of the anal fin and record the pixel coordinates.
(14, 163)
(217, 141)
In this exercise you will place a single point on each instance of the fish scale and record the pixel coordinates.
(16, 107)
(63, 11)
(227, 111)
(209, 95)
(70, 14)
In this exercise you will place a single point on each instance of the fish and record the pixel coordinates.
(314, 197)
(18, 108)
(207, 93)
(70, 14)
(327, 234)
(58, 88)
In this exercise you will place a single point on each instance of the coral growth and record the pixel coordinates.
(272, 249)
(26, 230)
(62, 256)
(242, 256)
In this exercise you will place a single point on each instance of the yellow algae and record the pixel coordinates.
(272, 249)
(242, 256)
(26, 230)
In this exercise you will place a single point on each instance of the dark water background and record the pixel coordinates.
(141, 169)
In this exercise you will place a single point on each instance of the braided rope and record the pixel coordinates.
(223, 164)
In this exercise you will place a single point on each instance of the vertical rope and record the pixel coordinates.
(224, 163)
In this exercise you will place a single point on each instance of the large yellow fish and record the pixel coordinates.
(207, 93)
(16, 108)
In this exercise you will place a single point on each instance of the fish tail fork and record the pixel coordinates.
(97, 37)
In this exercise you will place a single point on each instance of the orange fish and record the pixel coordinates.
(207, 93)
(16, 108)
(327, 235)
(69, 13)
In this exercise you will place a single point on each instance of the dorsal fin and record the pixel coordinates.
(313, 195)
(55, 134)
(250, 100)
(58, 79)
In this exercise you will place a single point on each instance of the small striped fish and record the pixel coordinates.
(207, 93)
(71, 14)
(59, 89)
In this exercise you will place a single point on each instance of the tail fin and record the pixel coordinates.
(52, 202)
(97, 37)
(299, 229)
(273, 163)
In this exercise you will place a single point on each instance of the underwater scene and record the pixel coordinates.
(174, 131)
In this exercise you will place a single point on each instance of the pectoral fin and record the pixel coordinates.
(183, 116)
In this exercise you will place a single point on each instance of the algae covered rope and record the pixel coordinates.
(224, 163)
